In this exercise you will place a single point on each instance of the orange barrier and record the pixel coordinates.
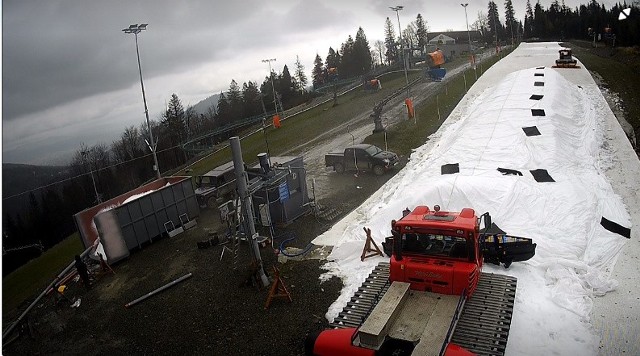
(409, 104)
(276, 121)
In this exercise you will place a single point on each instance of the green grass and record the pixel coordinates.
(619, 68)
(32, 278)
(408, 135)
(304, 127)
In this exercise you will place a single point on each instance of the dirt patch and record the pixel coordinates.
(216, 311)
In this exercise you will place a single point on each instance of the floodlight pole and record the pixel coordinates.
(404, 63)
(495, 25)
(466, 19)
(136, 29)
(95, 190)
(273, 88)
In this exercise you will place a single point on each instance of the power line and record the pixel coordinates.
(87, 173)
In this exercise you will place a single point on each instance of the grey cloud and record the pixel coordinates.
(59, 51)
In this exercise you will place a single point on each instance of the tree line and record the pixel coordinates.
(591, 21)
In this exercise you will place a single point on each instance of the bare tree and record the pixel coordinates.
(374, 58)
(129, 146)
(410, 35)
(481, 23)
(380, 50)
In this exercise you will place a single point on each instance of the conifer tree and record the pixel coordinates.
(318, 72)
(421, 32)
(300, 76)
(391, 53)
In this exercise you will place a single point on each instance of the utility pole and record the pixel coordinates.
(404, 63)
(136, 29)
(495, 24)
(95, 190)
(473, 59)
(273, 88)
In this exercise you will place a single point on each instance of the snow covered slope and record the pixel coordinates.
(559, 200)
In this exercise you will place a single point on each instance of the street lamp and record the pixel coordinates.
(466, 19)
(404, 64)
(136, 29)
(495, 25)
(95, 190)
(273, 88)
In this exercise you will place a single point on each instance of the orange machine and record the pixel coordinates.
(437, 58)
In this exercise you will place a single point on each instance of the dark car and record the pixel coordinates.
(215, 185)
(362, 157)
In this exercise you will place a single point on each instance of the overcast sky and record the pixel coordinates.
(69, 74)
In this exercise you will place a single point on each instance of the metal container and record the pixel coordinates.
(281, 195)
(130, 220)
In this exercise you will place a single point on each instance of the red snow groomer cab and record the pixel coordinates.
(432, 297)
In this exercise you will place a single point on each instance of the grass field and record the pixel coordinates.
(430, 114)
(620, 69)
(32, 278)
(302, 128)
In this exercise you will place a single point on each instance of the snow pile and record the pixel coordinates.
(575, 253)
(137, 196)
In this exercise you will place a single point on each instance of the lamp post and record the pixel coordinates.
(273, 88)
(404, 63)
(136, 29)
(466, 19)
(95, 190)
(495, 25)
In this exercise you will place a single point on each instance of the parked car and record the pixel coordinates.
(215, 185)
(362, 157)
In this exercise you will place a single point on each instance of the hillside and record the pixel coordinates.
(203, 106)
(21, 178)
(18, 178)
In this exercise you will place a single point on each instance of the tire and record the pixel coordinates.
(339, 167)
(212, 202)
(378, 170)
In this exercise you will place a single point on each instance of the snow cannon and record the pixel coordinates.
(436, 74)
(435, 60)
(373, 85)
(332, 73)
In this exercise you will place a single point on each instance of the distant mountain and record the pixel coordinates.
(203, 106)
(18, 178)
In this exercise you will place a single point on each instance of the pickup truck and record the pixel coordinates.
(362, 157)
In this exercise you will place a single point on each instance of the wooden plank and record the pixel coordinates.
(374, 330)
(414, 316)
(436, 329)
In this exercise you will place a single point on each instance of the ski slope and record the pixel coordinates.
(583, 163)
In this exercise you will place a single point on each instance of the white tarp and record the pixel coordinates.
(575, 254)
